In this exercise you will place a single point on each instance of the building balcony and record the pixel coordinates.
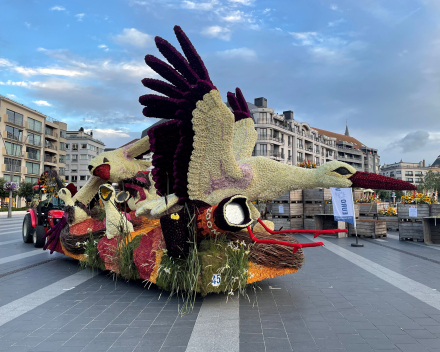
(51, 134)
(260, 138)
(268, 154)
(52, 148)
(50, 160)
(16, 153)
(11, 136)
(12, 121)
(13, 168)
(31, 129)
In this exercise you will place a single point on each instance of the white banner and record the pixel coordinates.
(343, 209)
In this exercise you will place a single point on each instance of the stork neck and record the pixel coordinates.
(295, 177)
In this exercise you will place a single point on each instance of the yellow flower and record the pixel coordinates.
(420, 195)
(406, 197)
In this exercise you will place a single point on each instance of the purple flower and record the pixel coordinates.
(10, 186)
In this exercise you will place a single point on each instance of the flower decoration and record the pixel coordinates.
(307, 164)
(10, 186)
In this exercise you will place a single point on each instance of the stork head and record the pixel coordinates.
(64, 194)
(106, 192)
(121, 163)
(339, 174)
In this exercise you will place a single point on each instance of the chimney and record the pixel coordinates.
(424, 163)
(91, 133)
(260, 102)
(288, 115)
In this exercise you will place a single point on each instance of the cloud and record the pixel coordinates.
(222, 33)
(412, 141)
(102, 133)
(80, 16)
(266, 11)
(133, 37)
(11, 95)
(27, 24)
(305, 38)
(403, 53)
(200, 6)
(234, 16)
(242, 53)
(103, 46)
(334, 7)
(42, 103)
(242, 2)
(57, 8)
(336, 23)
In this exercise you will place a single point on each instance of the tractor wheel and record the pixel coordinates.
(39, 241)
(27, 230)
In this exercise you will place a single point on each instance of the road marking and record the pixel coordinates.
(10, 227)
(25, 304)
(11, 233)
(217, 326)
(9, 242)
(22, 256)
(379, 240)
(416, 289)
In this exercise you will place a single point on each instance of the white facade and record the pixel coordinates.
(409, 172)
(81, 148)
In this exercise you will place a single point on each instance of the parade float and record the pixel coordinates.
(186, 220)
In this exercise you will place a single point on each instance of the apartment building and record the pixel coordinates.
(31, 142)
(353, 152)
(282, 138)
(81, 148)
(410, 172)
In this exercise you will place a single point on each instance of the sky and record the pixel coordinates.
(372, 63)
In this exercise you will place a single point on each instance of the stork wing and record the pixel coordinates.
(245, 135)
(213, 165)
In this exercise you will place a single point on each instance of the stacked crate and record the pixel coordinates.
(314, 202)
(411, 228)
(287, 211)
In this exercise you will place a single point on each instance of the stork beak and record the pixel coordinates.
(375, 181)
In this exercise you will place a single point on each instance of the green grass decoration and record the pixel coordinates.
(92, 259)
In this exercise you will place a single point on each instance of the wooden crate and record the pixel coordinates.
(309, 223)
(287, 209)
(371, 208)
(403, 211)
(327, 222)
(357, 194)
(313, 207)
(297, 223)
(434, 210)
(328, 209)
(369, 228)
(411, 229)
(317, 194)
(431, 230)
(281, 221)
(296, 196)
(392, 222)
(285, 198)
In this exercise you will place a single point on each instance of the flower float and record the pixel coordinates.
(193, 227)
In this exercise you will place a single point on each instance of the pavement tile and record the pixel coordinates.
(276, 344)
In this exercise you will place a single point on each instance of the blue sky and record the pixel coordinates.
(373, 63)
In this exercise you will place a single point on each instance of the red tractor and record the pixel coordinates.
(41, 218)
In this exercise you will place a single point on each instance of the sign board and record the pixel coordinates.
(343, 209)
(281, 209)
(412, 211)
(216, 280)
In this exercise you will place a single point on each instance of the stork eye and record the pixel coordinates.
(63, 191)
(342, 171)
(105, 160)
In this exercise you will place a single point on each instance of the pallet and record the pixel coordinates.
(411, 229)
(392, 222)
(297, 223)
(369, 228)
(431, 230)
(313, 207)
(288, 209)
(328, 209)
(309, 223)
(281, 221)
(434, 210)
(370, 208)
(317, 194)
(422, 211)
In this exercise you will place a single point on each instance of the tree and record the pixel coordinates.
(25, 190)
(431, 182)
(5, 194)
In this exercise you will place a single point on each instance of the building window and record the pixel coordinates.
(50, 131)
(14, 117)
(33, 153)
(263, 149)
(74, 157)
(83, 156)
(62, 146)
(90, 157)
(33, 180)
(82, 178)
(74, 146)
(67, 146)
(83, 146)
(32, 168)
(34, 125)
(13, 149)
(14, 133)
(74, 178)
(418, 173)
(409, 179)
(63, 134)
(15, 178)
(398, 172)
(88, 177)
(299, 143)
(263, 118)
(34, 139)
(12, 165)
(299, 157)
(408, 173)
(67, 177)
(62, 171)
(67, 157)
(418, 180)
(83, 167)
(91, 147)
(62, 158)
